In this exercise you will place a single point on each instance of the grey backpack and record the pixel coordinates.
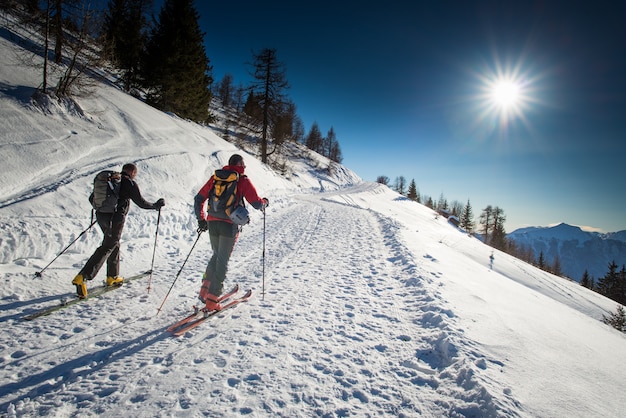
(106, 190)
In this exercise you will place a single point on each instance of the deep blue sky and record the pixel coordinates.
(402, 83)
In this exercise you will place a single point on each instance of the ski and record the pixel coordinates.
(93, 293)
(204, 315)
(197, 311)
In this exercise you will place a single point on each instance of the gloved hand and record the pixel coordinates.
(203, 225)
(266, 202)
(159, 204)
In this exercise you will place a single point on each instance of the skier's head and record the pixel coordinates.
(130, 169)
(236, 159)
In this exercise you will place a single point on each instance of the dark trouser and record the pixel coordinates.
(109, 250)
(223, 236)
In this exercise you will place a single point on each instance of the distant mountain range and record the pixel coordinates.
(578, 250)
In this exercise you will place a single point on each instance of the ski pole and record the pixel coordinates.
(179, 271)
(38, 274)
(156, 234)
(263, 257)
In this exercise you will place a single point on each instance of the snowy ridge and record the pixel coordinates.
(373, 305)
(578, 250)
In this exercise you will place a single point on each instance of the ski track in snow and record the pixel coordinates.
(365, 293)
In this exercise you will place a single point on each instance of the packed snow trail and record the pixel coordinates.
(325, 267)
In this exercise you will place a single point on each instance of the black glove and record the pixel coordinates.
(203, 225)
(159, 204)
(266, 202)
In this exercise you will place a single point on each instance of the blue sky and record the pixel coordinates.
(405, 87)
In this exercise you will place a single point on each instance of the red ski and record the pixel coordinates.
(190, 322)
(198, 310)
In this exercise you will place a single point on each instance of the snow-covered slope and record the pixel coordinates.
(373, 306)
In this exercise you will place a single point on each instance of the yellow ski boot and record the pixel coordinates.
(81, 287)
(115, 281)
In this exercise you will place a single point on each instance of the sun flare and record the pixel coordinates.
(505, 94)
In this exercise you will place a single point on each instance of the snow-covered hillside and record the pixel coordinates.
(373, 305)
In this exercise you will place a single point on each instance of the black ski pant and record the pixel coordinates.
(108, 251)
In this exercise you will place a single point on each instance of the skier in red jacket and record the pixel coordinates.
(223, 232)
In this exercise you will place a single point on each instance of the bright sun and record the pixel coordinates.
(505, 94)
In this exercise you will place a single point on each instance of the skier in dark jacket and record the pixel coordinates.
(223, 232)
(112, 225)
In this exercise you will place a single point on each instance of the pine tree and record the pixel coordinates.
(252, 108)
(400, 185)
(412, 193)
(124, 34)
(617, 319)
(383, 180)
(498, 235)
(556, 266)
(541, 261)
(486, 220)
(586, 281)
(335, 153)
(225, 90)
(314, 140)
(282, 128)
(269, 85)
(467, 222)
(298, 129)
(442, 203)
(176, 69)
(610, 285)
(456, 208)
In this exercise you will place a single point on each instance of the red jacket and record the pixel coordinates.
(245, 189)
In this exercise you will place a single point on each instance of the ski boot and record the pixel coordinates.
(81, 287)
(115, 281)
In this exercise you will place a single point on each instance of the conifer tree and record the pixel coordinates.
(486, 220)
(613, 284)
(442, 203)
(124, 34)
(498, 239)
(331, 146)
(587, 281)
(298, 129)
(176, 69)
(225, 90)
(335, 153)
(238, 96)
(314, 139)
(269, 85)
(400, 185)
(467, 222)
(282, 127)
(617, 319)
(608, 284)
(412, 193)
(541, 261)
(252, 108)
(456, 208)
(556, 266)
